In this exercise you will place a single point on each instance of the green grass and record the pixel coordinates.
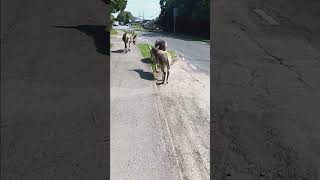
(113, 32)
(144, 49)
(145, 52)
(172, 54)
(137, 27)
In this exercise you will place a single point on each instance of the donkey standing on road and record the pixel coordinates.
(128, 38)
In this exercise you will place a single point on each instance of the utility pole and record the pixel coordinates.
(174, 13)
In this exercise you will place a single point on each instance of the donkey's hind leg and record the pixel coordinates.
(164, 77)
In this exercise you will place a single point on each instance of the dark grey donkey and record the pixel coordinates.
(161, 58)
(161, 44)
(128, 38)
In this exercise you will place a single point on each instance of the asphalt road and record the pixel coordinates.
(197, 53)
(265, 98)
(54, 95)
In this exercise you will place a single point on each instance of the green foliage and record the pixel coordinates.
(193, 16)
(125, 16)
(117, 5)
(137, 27)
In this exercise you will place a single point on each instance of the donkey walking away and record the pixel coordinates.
(162, 59)
(128, 38)
(162, 45)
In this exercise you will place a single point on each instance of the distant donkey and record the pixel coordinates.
(128, 38)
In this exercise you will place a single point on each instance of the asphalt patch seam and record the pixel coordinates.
(163, 116)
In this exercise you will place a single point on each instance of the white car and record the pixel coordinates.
(116, 23)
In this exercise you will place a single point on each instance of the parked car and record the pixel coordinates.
(116, 23)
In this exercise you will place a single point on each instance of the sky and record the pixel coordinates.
(150, 8)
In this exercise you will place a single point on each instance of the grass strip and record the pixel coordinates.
(113, 32)
(145, 52)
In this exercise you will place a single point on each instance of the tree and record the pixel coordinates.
(125, 16)
(117, 5)
(112, 18)
(193, 16)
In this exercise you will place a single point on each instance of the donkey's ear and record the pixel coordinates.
(134, 36)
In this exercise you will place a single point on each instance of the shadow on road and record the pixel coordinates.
(118, 51)
(146, 60)
(97, 32)
(144, 75)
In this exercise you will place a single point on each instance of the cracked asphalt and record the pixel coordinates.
(54, 76)
(265, 98)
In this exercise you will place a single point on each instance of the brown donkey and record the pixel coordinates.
(161, 58)
(128, 38)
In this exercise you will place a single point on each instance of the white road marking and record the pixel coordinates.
(266, 17)
(192, 66)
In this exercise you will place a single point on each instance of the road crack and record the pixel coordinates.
(281, 61)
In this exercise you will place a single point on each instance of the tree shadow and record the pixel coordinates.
(97, 32)
(144, 75)
(146, 60)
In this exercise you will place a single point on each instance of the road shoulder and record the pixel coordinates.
(139, 148)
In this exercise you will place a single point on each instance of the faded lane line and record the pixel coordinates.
(266, 17)
(192, 66)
